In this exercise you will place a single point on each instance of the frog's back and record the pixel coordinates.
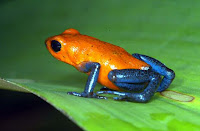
(107, 54)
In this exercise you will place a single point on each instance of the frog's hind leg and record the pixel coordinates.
(134, 76)
(132, 87)
(160, 68)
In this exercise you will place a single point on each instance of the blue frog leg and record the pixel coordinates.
(93, 68)
(160, 68)
(132, 87)
(134, 76)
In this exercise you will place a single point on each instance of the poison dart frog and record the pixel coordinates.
(133, 77)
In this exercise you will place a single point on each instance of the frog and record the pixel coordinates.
(132, 77)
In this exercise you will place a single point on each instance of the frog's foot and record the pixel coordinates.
(87, 95)
(112, 92)
(122, 95)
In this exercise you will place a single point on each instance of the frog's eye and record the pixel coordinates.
(55, 45)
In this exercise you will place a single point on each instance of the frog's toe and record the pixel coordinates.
(102, 92)
(101, 97)
(90, 95)
(75, 94)
(112, 92)
(121, 98)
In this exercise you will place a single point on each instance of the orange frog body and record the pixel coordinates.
(76, 49)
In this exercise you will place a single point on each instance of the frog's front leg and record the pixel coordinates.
(93, 68)
(134, 76)
(160, 68)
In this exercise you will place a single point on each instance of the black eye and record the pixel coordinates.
(55, 45)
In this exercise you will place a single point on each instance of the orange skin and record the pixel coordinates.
(77, 49)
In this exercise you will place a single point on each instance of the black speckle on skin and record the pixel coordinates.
(117, 53)
(142, 73)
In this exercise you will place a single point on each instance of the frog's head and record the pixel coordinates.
(59, 45)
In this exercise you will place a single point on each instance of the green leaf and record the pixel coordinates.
(165, 30)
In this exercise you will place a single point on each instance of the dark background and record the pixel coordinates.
(27, 112)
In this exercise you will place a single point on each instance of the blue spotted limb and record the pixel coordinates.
(93, 68)
(134, 76)
(160, 68)
(132, 87)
